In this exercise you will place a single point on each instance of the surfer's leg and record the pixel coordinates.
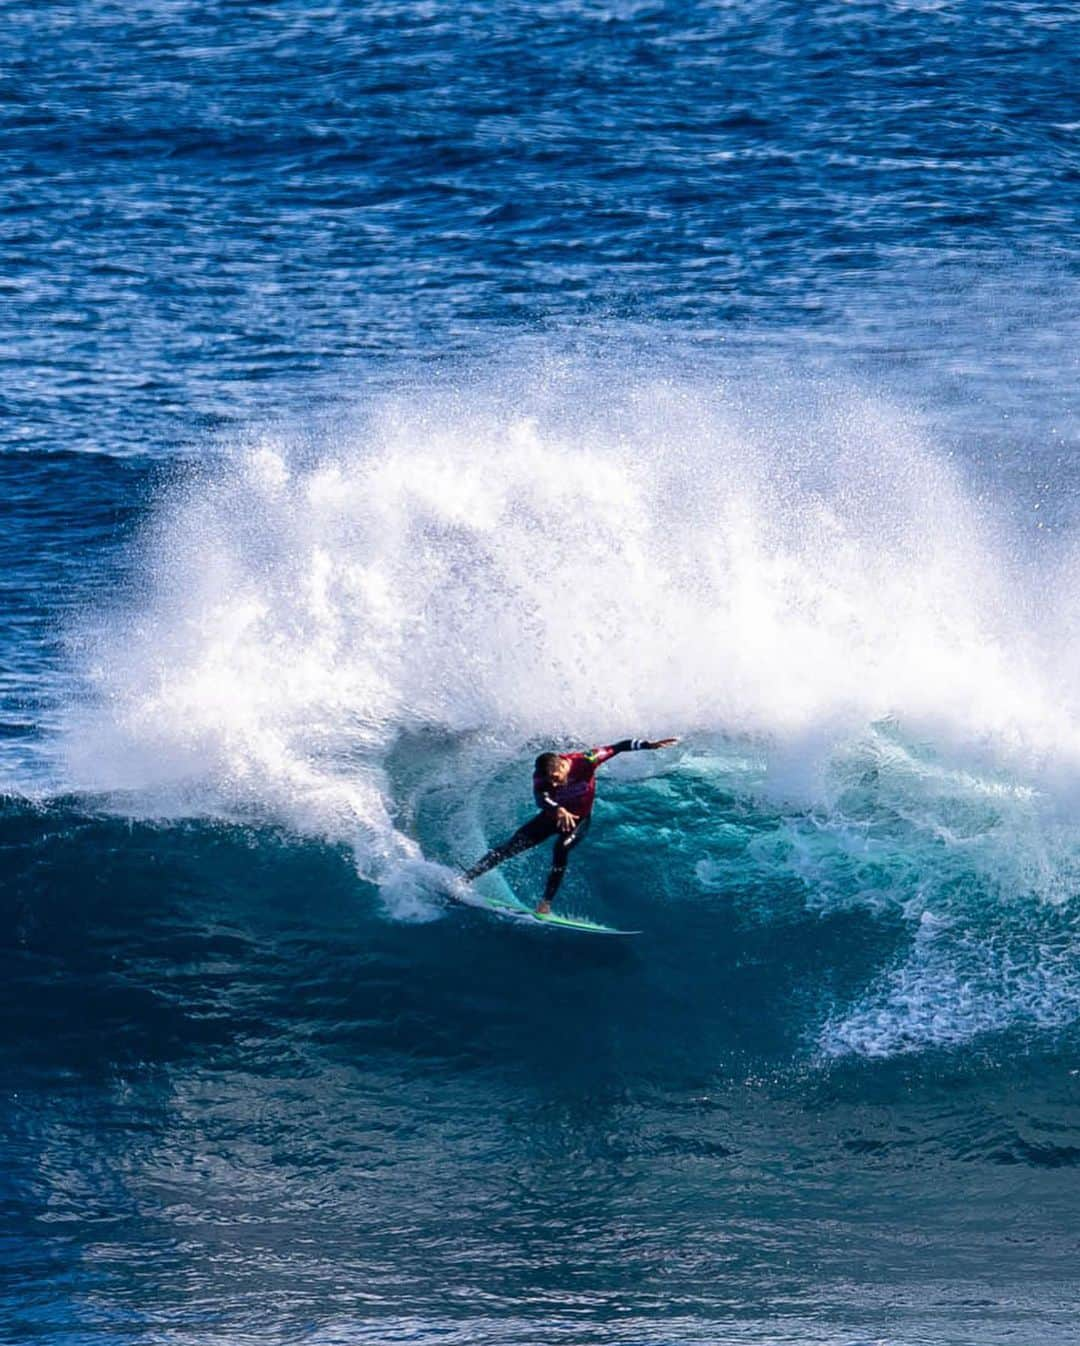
(535, 831)
(559, 857)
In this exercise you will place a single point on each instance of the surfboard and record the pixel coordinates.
(500, 900)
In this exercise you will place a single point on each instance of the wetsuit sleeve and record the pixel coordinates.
(597, 755)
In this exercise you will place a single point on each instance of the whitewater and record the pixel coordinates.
(365, 637)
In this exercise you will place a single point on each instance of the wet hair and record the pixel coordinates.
(545, 762)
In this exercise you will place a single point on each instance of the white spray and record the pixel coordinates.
(573, 558)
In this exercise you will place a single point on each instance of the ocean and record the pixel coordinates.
(393, 390)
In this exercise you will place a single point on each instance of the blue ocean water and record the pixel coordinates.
(392, 390)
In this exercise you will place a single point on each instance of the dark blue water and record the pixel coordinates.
(392, 391)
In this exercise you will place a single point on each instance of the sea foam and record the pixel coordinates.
(579, 554)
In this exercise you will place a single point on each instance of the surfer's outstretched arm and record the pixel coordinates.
(598, 755)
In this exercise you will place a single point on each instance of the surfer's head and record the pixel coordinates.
(553, 768)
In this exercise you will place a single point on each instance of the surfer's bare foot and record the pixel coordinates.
(543, 908)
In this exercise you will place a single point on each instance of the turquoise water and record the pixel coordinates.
(392, 392)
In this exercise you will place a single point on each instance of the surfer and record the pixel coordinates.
(564, 788)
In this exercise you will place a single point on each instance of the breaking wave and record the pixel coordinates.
(873, 671)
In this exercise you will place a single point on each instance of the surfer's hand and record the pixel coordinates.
(565, 820)
(662, 743)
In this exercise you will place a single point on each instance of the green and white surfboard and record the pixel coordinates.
(494, 894)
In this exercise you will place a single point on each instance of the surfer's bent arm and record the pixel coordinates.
(563, 819)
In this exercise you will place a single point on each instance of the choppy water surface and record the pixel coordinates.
(393, 390)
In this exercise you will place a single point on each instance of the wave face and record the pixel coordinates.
(366, 639)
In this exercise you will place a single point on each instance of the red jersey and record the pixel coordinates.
(579, 791)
